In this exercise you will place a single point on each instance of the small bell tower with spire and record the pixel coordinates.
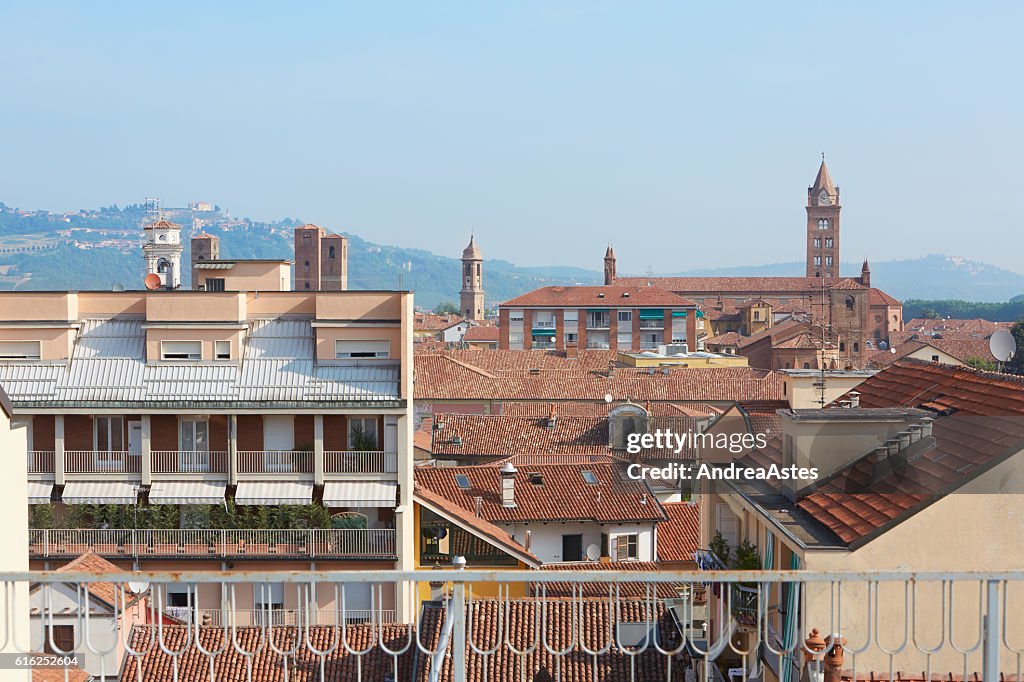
(609, 266)
(472, 294)
(823, 225)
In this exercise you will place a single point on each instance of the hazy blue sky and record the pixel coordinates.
(684, 133)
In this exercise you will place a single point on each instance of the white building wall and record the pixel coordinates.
(546, 539)
(14, 512)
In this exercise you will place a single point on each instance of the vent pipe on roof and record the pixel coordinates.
(529, 537)
(854, 398)
(479, 506)
(508, 484)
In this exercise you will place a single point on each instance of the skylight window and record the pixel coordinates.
(589, 477)
(462, 481)
(535, 477)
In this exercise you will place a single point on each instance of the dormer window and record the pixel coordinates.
(535, 477)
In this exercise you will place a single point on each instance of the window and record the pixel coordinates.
(822, 223)
(625, 316)
(817, 260)
(109, 433)
(345, 349)
(330, 252)
(842, 346)
(571, 338)
(856, 347)
(828, 242)
(515, 316)
(215, 284)
(757, 314)
(571, 316)
(849, 302)
(589, 478)
(935, 358)
(61, 641)
(572, 547)
(181, 350)
(362, 433)
(269, 595)
(817, 242)
(624, 340)
(19, 350)
(807, 365)
(222, 350)
(194, 435)
(627, 547)
(462, 480)
(305, 267)
(828, 261)
(515, 337)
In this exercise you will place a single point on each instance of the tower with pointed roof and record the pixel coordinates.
(823, 225)
(609, 266)
(472, 294)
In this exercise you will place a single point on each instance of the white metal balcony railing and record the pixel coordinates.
(600, 345)
(189, 461)
(542, 345)
(650, 345)
(652, 324)
(275, 461)
(182, 542)
(360, 462)
(40, 462)
(102, 461)
(543, 324)
(610, 625)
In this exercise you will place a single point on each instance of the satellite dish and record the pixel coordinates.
(152, 281)
(892, 350)
(608, 397)
(137, 587)
(1002, 345)
(593, 552)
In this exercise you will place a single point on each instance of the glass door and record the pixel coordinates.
(194, 446)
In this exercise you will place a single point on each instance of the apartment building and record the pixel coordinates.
(161, 418)
(630, 318)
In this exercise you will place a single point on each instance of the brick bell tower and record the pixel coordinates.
(823, 225)
(472, 294)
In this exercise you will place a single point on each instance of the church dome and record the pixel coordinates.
(472, 251)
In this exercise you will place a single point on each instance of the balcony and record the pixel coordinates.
(598, 345)
(543, 324)
(542, 345)
(360, 462)
(329, 543)
(189, 461)
(40, 462)
(652, 324)
(275, 462)
(102, 462)
(650, 345)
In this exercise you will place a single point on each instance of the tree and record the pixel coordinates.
(1016, 364)
(719, 546)
(981, 363)
(446, 308)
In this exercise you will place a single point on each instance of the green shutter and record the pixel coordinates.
(652, 314)
(543, 332)
(678, 313)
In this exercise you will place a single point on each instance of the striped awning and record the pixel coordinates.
(39, 492)
(100, 492)
(187, 492)
(274, 492)
(360, 493)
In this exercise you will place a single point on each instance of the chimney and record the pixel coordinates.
(571, 350)
(915, 433)
(479, 506)
(508, 485)
(529, 538)
(552, 419)
(926, 427)
(903, 437)
(854, 398)
(893, 446)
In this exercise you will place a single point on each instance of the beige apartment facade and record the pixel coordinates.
(198, 399)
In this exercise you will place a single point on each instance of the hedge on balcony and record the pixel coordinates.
(200, 516)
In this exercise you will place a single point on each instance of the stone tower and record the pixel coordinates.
(823, 226)
(162, 251)
(472, 294)
(609, 266)
(321, 260)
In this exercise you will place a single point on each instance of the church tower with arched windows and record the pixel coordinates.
(472, 294)
(162, 251)
(823, 226)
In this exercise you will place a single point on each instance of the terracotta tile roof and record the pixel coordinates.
(975, 326)
(690, 286)
(73, 674)
(580, 408)
(90, 562)
(879, 297)
(978, 424)
(726, 339)
(599, 590)
(268, 666)
(468, 520)
(564, 622)
(679, 537)
(482, 333)
(610, 296)
(423, 436)
(450, 376)
(960, 344)
(561, 495)
(432, 322)
(763, 417)
(470, 434)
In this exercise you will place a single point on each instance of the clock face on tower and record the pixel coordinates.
(824, 199)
